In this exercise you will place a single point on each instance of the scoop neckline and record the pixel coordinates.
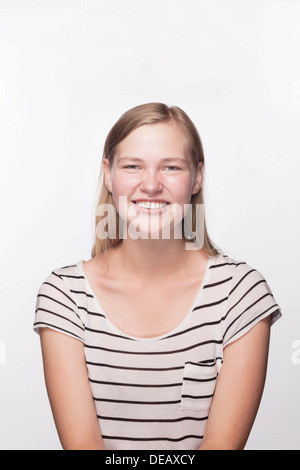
(151, 339)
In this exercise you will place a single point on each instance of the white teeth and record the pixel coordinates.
(151, 205)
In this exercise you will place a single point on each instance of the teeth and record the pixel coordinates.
(151, 205)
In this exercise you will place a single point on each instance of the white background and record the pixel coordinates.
(68, 70)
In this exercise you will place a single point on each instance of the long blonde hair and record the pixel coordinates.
(147, 114)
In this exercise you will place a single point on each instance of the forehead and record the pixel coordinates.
(160, 140)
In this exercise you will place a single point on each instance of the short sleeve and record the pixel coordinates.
(250, 300)
(57, 309)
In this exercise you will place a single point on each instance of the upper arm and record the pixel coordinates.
(69, 391)
(239, 389)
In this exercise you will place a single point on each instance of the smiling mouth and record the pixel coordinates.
(151, 205)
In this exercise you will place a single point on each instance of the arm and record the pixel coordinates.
(69, 391)
(239, 390)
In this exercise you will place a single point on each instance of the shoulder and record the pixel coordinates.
(229, 266)
(246, 281)
(70, 271)
(93, 267)
(60, 304)
(236, 267)
(60, 281)
(250, 300)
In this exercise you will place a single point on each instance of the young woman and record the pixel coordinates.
(159, 341)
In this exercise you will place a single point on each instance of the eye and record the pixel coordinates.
(172, 168)
(131, 167)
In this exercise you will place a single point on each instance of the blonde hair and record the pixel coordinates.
(149, 114)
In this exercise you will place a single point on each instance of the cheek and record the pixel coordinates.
(122, 187)
(182, 188)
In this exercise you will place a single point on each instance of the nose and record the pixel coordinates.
(151, 182)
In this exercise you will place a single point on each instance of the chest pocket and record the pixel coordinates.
(198, 386)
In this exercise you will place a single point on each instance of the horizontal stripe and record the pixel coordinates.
(122, 384)
(153, 369)
(96, 314)
(221, 265)
(142, 420)
(81, 292)
(208, 363)
(198, 397)
(191, 379)
(70, 276)
(174, 351)
(177, 439)
(212, 304)
(69, 266)
(60, 303)
(217, 283)
(61, 291)
(56, 301)
(38, 324)
(137, 402)
(103, 332)
(192, 328)
(60, 316)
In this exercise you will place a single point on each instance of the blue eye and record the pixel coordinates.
(131, 167)
(172, 168)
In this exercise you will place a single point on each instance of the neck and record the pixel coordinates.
(153, 259)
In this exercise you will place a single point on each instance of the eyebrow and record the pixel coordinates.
(164, 160)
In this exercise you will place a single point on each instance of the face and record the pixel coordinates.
(152, 177)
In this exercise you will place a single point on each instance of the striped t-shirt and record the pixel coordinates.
(155, 393)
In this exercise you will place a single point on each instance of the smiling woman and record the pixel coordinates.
(151, 345)
(159, 182)
(140, 132)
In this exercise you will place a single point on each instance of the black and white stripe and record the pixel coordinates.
(155, 393)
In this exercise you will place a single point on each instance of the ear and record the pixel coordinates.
(107, 174)
(198, 179)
